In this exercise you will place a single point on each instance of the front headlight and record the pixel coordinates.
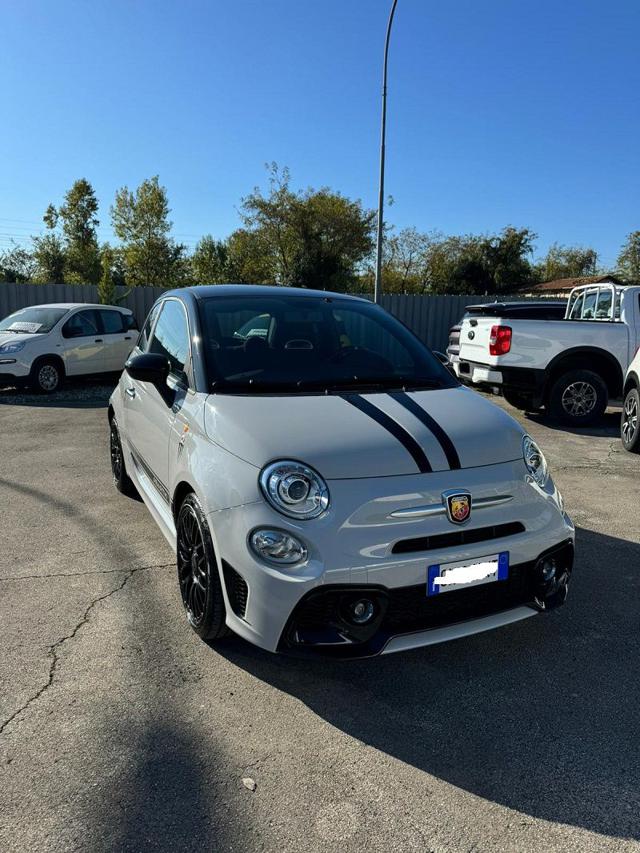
(534, 460)
(277, 546)
(294, 489)
(5, 349)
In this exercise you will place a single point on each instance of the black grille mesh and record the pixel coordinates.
(456, 538)
(237, 589)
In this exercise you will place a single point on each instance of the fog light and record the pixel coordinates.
(277, 546)
(362, 611)
(548, 571)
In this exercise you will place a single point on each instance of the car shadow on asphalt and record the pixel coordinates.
(74, 394)
(541, 716)
(608, 426)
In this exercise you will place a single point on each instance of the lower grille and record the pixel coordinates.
(410, 609)
(457, 538)
(237, 589)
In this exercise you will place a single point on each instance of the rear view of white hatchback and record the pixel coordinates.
(327, 484)
(42, 344)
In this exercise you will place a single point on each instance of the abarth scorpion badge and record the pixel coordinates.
(458, 506)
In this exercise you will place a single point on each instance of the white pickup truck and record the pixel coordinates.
(571, 367)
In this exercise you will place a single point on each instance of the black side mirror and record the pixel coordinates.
(442, 358)
(149, 367)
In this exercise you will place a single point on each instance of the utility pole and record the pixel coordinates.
(377, 290)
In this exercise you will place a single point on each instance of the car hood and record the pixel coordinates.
(366, 435)
(14, 338)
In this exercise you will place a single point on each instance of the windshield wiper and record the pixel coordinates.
(257, 385)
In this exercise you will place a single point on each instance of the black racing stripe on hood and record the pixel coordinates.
(397, 430)
(424, 417)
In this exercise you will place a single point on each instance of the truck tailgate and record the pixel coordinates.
(474, 339)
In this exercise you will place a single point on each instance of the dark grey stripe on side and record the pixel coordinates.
(425, 418)
(157, 483)
(397, 430)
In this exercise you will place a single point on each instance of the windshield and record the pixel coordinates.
(37, 318)
(296, 343)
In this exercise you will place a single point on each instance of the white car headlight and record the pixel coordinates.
(294, 489)
(277, 546)
(534, 460)
(5, 349)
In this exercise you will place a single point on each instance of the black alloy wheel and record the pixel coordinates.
(198, 574)
(630, 421)
(578, 398)
(121, 479)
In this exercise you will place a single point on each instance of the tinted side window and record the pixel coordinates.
(81, 325)
(171, 337)
(145, 334)
(112, 322)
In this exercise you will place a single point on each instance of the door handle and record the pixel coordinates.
(131, 392)
(98, 341)
(127, 337)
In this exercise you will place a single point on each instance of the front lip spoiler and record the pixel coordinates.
(433, 636)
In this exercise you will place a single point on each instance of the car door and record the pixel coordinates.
(148, 415)
(118, 339)
(82, 343)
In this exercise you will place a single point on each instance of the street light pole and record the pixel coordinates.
(378, 281)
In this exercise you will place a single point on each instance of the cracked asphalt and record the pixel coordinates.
(121, 731)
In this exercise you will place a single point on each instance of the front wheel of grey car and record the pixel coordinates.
(198, 574)
(630, 421)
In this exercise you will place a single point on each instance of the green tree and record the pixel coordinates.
(628, 264)
(483, 264)
(106, 286)
(79, 220)
(209, 261)
(250, 259)
(50, 258)
(310, 238)
(17, 265)
(141, 221)
(406, 262)
(568, 262)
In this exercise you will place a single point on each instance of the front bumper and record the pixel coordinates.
(407, 618)
(359, 545)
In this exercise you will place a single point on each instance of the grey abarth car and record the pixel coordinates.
(327, 485)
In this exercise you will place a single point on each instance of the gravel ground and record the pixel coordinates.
(121, 731)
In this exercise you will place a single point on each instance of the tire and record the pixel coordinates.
(630, 421)
(47, 376)
(122, 481)
(198, 575)
(520, 401)
(578, 398)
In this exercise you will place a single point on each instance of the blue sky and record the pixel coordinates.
(500, 112)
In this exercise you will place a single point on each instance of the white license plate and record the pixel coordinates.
(447, 577)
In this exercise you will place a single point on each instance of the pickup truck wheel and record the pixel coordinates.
(630, 422)
(198, 574)
(578, 397)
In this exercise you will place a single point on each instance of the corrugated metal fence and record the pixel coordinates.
(430, 317)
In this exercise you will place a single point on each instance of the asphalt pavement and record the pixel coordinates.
(121, 731)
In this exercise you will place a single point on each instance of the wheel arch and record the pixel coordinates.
(182, 489)
(54, 357)
(586, 358)
(632, 381)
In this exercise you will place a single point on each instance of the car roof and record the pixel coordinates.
(69, 305)
(206, 291)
